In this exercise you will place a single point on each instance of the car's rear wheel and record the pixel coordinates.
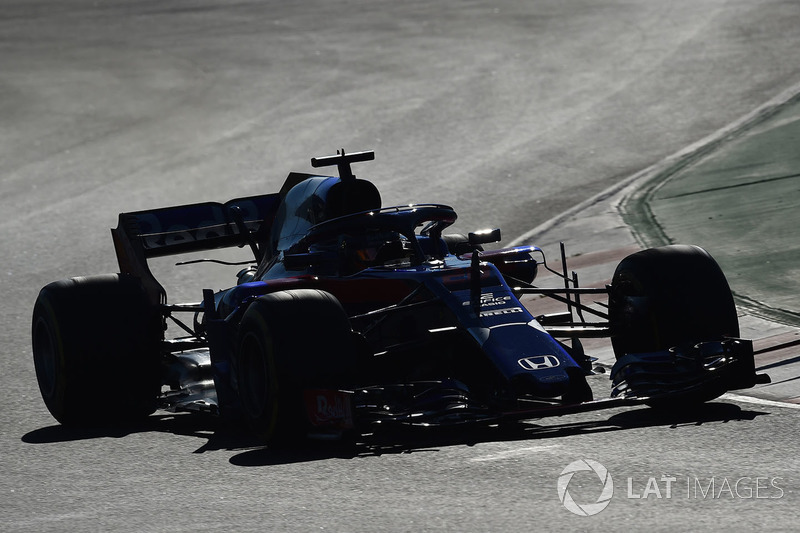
(289, 341)
(95, 349)
(672, 296)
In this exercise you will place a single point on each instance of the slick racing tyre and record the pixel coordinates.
(95, 350)
(673, 296)
(289, 341)
(669, 296)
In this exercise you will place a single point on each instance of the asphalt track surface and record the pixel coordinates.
(512, 112)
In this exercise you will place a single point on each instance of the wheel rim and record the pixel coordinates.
(44, 358)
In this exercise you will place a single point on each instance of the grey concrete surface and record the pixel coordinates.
(512, 111)
(741, 199)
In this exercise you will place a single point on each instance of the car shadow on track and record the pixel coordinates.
(221, 436)
(430, 440)
(218, 434)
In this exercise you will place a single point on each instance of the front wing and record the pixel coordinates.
(671, 378)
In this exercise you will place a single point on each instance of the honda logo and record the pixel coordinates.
(539, 362)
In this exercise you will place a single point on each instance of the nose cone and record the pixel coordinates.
(530, 359)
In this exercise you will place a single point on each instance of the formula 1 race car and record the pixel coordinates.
(355, 317)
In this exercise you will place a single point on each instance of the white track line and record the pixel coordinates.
(758, 401)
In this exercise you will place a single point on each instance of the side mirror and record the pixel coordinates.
(484, 236)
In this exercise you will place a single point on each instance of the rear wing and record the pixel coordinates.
(182, 229)
(197, 227)
(248, 221)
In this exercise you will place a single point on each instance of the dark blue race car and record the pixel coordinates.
(355, 317)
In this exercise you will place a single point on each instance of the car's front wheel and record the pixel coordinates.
(669, 296)
(663, 298)
(289, 341)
